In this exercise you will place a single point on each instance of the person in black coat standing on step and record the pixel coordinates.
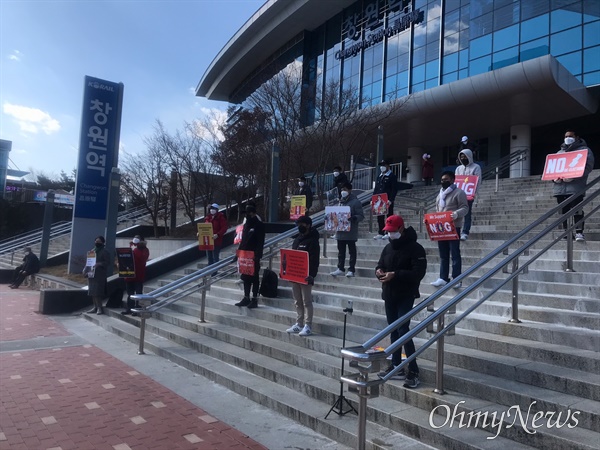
(253, 239)
(387, 183)
(304, 189)
(400, 269)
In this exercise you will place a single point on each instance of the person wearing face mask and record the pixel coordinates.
(29, 266)
(468, 167)
(304, 189)
(451, 198)
(387, 183)
(348, 238)
(307, 241)
(135, 285)
(401, 267)
(97, 284)
(253, 239)
(219, 224)
(339, 179)
(467, 144)
(563, 188)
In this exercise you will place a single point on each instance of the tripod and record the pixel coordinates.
(339, 403)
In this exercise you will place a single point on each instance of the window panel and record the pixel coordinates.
(591, 11)
(481, 7)
(534, 49)
(533, 8)
(507, 16)
(481, 46)
(429, 84)
(509, 37)
(591, 79)
(419, 56)
(450, 63)
(418, 87)
(462, 74)
(418, 74)
(591, 34)
(505, 58)
(568, 17)
(572, 62)
(535, 28)
(452, 5)
(451, 44)
(450, 77)
(463, 59)
(480, 26)
(480, 65)
(565, 41)
(432, 70)
(591, 59)
(432, 51)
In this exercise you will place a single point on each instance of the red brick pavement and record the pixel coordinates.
(83, 398)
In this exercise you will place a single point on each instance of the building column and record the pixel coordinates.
(520, 139)
(414, 164)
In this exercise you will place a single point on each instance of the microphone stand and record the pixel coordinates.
(339, 403)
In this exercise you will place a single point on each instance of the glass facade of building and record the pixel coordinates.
(392, 48)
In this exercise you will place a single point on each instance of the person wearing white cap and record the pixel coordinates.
(467, 144)
(219, 224)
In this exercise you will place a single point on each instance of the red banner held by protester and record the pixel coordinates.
(294, 265)
(440, 226)
(467, 183)
(245, 262)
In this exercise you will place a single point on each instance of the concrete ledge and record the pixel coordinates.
(59, 301)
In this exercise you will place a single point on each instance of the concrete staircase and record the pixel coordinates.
(498, 375)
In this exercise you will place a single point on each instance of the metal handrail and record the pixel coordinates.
(202, 279)
(358, 355)
(34, 237)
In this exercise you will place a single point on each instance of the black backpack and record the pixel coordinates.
(268, 287)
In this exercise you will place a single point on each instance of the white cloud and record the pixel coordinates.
(15, 55)
(31, 120)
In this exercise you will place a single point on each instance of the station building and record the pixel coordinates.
(512, 75)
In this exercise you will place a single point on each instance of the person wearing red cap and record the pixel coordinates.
(401, 267)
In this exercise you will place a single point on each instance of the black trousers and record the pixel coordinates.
(572, 204)
(341, 245)
(394, 309)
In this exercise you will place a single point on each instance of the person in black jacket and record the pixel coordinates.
(387, 183)
(308, 241)
(339, 179)
(304, 189)
(253, 239)
(400, 269)
(30, 265)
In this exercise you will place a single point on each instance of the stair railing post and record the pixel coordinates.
(370, 219)
(439, 370)
(515, 292)
(362, 414)
(142, 334)
(324, 243)
(570, 229)
(497, 177)
(203, 300)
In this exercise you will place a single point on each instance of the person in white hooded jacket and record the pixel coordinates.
(468, 167)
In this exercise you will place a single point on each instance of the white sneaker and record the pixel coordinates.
(294, 329)
(349, 274)
(464, 237)
(439, 283)
(337, 272)
(378, 236)
(579, 237)
(306, 331)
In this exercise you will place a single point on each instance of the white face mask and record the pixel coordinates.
(213, 211)
(394, 235)
(300, 183)
(345, 194)
(383, 169)
(569, 140)
(336, 174)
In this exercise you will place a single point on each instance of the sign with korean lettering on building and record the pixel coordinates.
(98, 146)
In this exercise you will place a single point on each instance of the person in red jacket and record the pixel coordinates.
(219, 224)
(135, 284)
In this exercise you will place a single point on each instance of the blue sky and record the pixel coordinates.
(158, 49)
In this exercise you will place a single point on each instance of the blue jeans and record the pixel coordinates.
(448, 249)
(213, 255)
(467, 226)
(394, 309)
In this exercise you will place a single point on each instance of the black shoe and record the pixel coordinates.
(134, 314)
(400, 375)
(412, 380)
(13, 286)
(244, 302)
(100, 311)
(253, 304)
(126, 313)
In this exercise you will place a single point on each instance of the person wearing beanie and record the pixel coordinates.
(400, 269)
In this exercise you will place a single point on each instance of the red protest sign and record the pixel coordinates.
(238, 234)
(440, 226)
(294, 265)
(379, 204)
(565, 165)
(245, 262)
(467, 183)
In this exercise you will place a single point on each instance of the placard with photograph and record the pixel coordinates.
(337, 218)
